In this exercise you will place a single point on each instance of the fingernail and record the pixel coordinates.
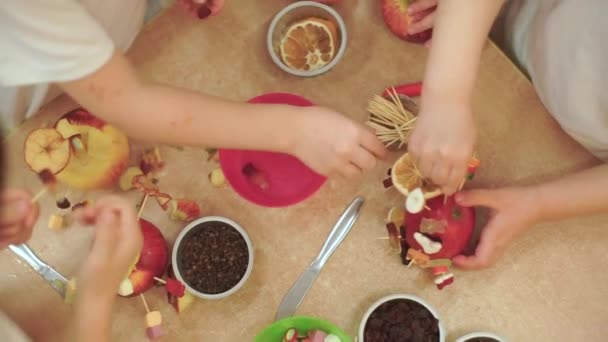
(410, 10)
(458, 197)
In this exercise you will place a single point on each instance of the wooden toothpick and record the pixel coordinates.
(143, 205)
(143, 299)
(162, 281)
(39, 195)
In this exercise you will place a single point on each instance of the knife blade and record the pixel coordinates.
(300, 288)
(54, 278)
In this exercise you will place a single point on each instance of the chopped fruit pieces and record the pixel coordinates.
(291, 335)
(153, 318)
(175, 287)
(216, 177)
(418, 257)
(155, 332)
(181, 303)
(438, 263)
(70, 291)
(126, 288)
(48, 179)
(45, 148)
(397, 216)
(415, 201)
(437, 271)
(184, 210)
(389, 171)
(444, 280)
(163, 200)
(428, 246)
(317, 336)
(127, 178)
(309, 44)
(82, 204)
(431, 226)
(393, 235)
(472, 168)
(56, 221)
(77, 145)
(151, 161)
(332, 338)
(63, 203)
(387, 183)
(145, 185)
(255, 176)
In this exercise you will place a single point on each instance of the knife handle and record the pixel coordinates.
(339, 231)
(28, 255)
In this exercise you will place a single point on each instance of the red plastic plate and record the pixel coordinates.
(289, 180)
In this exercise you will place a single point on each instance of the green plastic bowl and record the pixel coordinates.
(277, 330)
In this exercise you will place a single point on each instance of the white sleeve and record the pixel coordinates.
(45, 41)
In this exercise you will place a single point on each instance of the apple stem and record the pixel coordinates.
(143, 205)
(38, 195)
(143, 299)
(160, 280)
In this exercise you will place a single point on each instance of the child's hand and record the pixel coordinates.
(442, 144)
(424, 14)
(118, 241)
(202, 8)
(513, 211)
(17, 217)
(331, 143)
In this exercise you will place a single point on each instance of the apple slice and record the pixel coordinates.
(415, 201)
(45, 148)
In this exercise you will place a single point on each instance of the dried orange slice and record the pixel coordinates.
(46, 148)
(406, 178)
(309, 44)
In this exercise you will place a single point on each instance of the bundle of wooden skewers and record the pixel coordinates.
(390, 119)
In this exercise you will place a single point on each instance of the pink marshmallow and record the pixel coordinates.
(317, 336)
(154, 332)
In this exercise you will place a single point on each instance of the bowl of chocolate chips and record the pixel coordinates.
(213, 257)
(401, 318)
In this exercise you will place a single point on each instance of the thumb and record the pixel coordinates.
(471, 198)
(483, 257)
(105, 229)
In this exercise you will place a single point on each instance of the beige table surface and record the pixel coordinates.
(552, 285)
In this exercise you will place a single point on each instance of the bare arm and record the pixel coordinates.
(325, 140)
(459, 34)
(92, 320)
(149, 111)
(583, 193)
(442, 142)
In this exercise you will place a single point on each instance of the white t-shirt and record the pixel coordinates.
(47, 41)
(563, 46)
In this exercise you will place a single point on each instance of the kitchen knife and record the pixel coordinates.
(295, 296)
(54, 278)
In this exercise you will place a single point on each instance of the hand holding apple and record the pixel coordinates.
(118, 240)
(17, 216)
(513, 211)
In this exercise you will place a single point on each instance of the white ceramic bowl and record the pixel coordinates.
(194, 226)
(297, 11)
(400, 296)
(480, 334)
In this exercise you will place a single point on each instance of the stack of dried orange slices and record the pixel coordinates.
(309, 44)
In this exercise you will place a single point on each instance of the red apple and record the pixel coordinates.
(102, 151)
(458, 222)
(398, 20)
(152, 262)
(179, 303)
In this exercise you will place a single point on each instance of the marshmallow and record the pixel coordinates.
(154, 332)
(153, 318)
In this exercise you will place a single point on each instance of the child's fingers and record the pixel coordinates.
(421, 5)
(371, 143)
(422, 25)
(106, 233)
(15, 206)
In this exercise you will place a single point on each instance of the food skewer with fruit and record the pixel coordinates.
(428, 230)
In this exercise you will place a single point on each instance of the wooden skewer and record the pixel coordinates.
(39, 195)
(141, 208)
(461, 184)
(143, 299)
(410, 263)
(387, 237)
(427, 207)
(162, 281)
